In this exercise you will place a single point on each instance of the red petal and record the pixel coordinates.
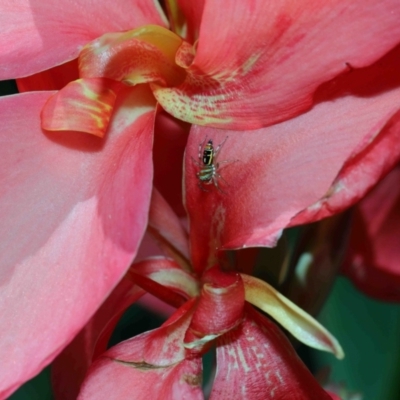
(263, 64)
(73, 211)
(142, 55)
(170, 137)
(373, 259)
(85, 105)
(52, 79)
(70, 367)
(149, 366)
(168, 230)
(186, 17)
(257, 362)
(158, 273)
(37, 35)
(272, 174)
(219, 309)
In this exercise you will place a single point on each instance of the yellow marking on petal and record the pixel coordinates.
(146, 54)
(84, 105)
(197, 109)
(300, 324)
(249, 64)
(204, 99)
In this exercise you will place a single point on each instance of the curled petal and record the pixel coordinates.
(257, 362)
(151, 365)
(265, 62)
(146, 54)
(167, 273)
(219, 309)
(84, 105)
(37, 35)
(73, 211)
(300, 324)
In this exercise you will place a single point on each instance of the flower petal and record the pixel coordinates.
(150, 366)
(52, 79)
(219, 309)
(142, 55)
(373, 258)
(170, 137)
(257, 362)
(84, 105)
(300, 324)
(186, 17)
(168, 230)
(264, 63)
(73, 211)
(37, 35)
(70, 367)
(167, 273)
(68, 370)
(268, 176)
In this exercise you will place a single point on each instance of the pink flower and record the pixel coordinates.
(254, 359)
(74, 207)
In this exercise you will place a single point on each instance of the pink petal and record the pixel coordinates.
(373, 259)
(164, 274)
(73, 211)
(149, 366)
(84, 105)
(37, 35)
(52, 79)
(168, 230)
(170, 139)
(263, 64)
(70, 367)
(270, 175)
(145, 54)
(219, 308)
(257, 362)
(375, 155)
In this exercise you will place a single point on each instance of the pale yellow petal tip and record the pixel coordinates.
(299, 323)
(338, 353)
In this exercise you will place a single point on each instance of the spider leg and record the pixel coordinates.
(218, 148)
(196, 162)
(215, 182)
(225, 162)
(218, 176)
